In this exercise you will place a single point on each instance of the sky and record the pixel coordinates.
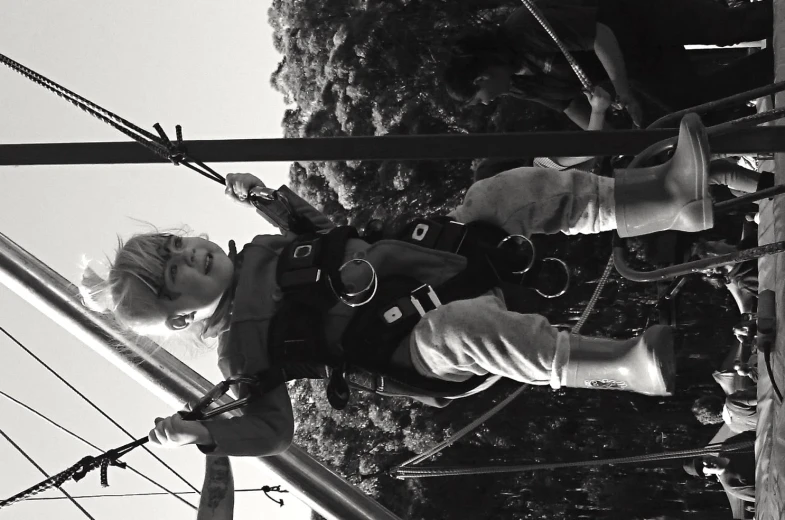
(199, 63)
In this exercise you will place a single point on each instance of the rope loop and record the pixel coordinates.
(177, 152)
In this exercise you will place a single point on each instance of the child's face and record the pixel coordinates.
(195, 277)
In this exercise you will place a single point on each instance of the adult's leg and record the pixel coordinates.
(684, 22)
(671, 75)
(737, 178)
(742, 75)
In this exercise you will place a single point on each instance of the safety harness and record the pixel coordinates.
(309, 276)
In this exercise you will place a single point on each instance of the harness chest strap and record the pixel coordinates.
(297, 342)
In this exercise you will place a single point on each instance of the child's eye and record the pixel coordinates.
(173, 273)
(178, 242)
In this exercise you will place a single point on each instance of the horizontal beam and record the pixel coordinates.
(414, 147)
(170, 379)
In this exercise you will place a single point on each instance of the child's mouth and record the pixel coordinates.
(208, 263)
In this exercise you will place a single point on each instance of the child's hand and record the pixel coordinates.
(239, 184)
(174, 431)
(599, 99)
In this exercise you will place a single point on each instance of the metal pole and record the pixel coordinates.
(170, 379)
(397, 147)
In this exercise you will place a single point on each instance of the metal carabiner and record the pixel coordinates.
(200, 409)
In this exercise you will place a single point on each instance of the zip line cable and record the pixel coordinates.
(88, 443)
(39, 468)
(96, 407)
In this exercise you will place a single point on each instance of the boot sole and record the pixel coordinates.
(700, 210)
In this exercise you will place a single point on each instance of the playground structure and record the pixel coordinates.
(334, 498)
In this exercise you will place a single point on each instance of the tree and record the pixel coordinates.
(372, 67)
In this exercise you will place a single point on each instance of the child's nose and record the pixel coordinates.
(189, 257)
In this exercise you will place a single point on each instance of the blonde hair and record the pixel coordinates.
(132, 289)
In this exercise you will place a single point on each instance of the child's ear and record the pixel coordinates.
(181, 321)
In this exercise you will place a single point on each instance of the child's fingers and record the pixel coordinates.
(238, 185)
(153, 436)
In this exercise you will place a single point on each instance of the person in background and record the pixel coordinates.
(623, 41)
(734, 470)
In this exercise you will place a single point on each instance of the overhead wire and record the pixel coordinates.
(96, 407)
(88, 443)
(152, 494)
(39, 468)
(160, 145)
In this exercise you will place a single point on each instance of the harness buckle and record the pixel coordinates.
(420, 301)
(442, 237)
(300, 277)
(424, 299)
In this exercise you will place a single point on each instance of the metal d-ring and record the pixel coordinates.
(566, 284)
(372, 286)
(531, 245)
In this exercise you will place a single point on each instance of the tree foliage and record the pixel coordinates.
(372, 67)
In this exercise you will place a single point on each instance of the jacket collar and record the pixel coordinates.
(218, 323)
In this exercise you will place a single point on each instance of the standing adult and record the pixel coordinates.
(616, 40)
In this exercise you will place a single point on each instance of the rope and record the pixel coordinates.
(582, 77)
(88, 401)
(152, 494)
(442, 471)
(88, 443)
(461, 433)
(160, 145)
(39, 468)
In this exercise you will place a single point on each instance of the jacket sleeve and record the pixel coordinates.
(304, 209)
(277, 214)
(526, 201)
(266, 426)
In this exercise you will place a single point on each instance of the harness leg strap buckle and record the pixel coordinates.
(425, 299)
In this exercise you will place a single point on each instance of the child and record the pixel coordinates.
(174, 283)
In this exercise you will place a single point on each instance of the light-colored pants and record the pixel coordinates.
(480, 336)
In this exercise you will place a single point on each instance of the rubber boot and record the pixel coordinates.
(673, 195)
(644, 364)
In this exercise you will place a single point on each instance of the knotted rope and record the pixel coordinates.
(159, 145)
(77, 472)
